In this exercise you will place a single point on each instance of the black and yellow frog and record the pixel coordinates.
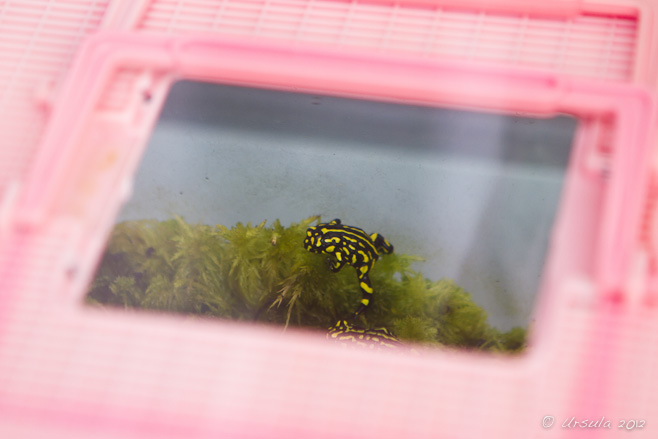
(350, 335)
(348, 245)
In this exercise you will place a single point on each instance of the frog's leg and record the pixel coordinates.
(337, 262)
(381, 244)
(366, 291)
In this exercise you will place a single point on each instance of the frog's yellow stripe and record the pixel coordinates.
(367, 288)
(354, 229)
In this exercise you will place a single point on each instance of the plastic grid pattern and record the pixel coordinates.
(144, 373)
(38, 39)
(34, 56)
(594, 46)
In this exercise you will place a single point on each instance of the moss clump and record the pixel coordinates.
(263, 273)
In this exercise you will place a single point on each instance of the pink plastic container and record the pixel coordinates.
(69, 371)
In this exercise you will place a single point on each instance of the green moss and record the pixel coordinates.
(263, 273)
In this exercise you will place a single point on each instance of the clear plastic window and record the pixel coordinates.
(233, 176)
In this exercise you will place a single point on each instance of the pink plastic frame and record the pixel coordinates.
(253, 382)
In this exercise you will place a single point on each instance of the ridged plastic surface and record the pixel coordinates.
(66, 371)
(38, 40)
(595, 46)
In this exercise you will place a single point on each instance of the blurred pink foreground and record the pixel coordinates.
(77, 109)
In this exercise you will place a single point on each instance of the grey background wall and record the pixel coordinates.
(474, 194)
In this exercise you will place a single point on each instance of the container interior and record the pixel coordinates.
(473, 194)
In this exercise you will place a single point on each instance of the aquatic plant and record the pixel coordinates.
(263, 273)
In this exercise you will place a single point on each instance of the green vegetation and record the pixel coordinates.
(263, 273)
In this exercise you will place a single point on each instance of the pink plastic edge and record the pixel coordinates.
(192, 58)
(397, 79)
